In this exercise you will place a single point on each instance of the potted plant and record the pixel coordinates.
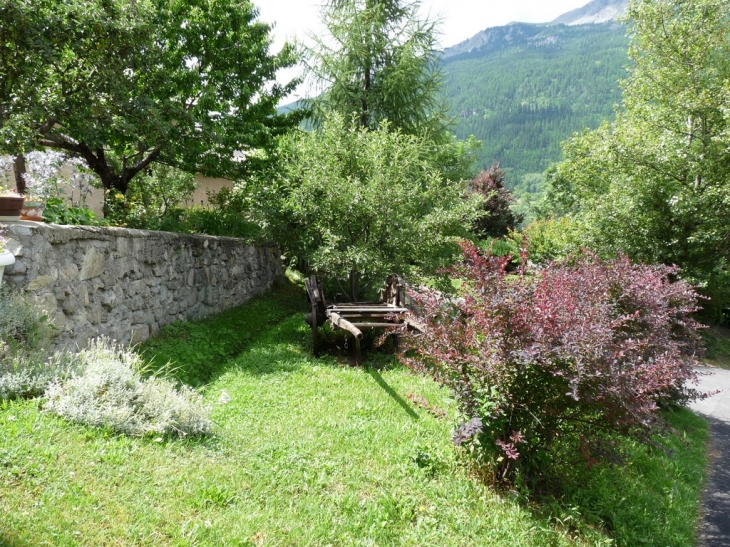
(6, 257)
(10, 204)
(33, 207)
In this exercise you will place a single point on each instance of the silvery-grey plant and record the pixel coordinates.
(109, 391)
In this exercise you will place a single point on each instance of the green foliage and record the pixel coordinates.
(29, 32)
(23, 327)
(109, 391)
(288, 429)
(57, 212)
(153, 203)
(550, 239)
(373, 202)
(185, 82)
(661, 478)
(531, 86)
(654, 183)
(717, 341)
(158, 190)
(198, 352)
(25, 368)
(380, 63)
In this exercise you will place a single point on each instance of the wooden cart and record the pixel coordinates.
(354, 317)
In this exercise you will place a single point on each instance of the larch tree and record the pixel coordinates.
(378, 61)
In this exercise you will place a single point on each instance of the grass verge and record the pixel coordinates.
(310, 453)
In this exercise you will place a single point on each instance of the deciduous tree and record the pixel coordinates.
(348, 200)
(655, 183)
(186, 83)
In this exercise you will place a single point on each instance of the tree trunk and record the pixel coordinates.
(354, 285)
(19, 171)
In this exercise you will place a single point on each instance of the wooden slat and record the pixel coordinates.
(375, 325)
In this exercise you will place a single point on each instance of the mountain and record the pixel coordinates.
(598, 11)
(500, 38)
(524, 88)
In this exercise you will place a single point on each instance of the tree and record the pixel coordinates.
(498, 219)
(184, 83)
(353, 203)
(29, 33)
(655, 183)
(380, 61)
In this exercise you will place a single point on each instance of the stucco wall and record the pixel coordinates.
(126, 284)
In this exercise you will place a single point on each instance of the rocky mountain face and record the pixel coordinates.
(526, 34)
(597, 11)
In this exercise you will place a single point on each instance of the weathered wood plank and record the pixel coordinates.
(344, 324)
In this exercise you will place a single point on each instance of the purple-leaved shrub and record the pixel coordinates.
(569, 352)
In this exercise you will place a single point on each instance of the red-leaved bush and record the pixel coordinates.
(568, 352)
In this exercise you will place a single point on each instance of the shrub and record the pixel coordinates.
(498, 218)
(24, 376)
(570, 353)
(110, 392)
(24, 333)
(550, 239)
(23, 327)
(354, 204)
(57, 212)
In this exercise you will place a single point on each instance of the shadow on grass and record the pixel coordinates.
(390, 391)
(5, 541)
(651, 500)
(197, 353)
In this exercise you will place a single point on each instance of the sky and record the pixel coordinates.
(461, 19)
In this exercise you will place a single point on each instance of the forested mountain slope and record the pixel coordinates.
(523, 88)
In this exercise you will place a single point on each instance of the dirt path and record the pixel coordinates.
(715, 528)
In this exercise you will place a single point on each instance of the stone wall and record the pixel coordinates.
(126, 284)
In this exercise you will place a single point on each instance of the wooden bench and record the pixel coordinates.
(354, 317)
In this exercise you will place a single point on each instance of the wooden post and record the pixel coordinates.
(315, 330)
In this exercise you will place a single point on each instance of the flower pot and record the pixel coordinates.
(6, 259)
(10, 207)
(32, 210)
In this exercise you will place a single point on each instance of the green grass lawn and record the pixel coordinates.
(312, 452)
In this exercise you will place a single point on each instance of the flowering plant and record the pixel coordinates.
(48, 172)
(6, 192)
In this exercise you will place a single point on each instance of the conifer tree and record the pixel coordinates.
(378, 62)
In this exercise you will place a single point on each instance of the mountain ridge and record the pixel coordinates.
(597, 11)
(502, 37)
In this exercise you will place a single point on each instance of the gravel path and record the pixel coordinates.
(715, 528)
